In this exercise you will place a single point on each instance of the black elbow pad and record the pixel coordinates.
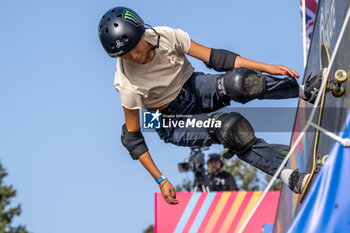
(221, 60)
(134, 142)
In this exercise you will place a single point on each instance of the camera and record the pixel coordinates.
(196, 164)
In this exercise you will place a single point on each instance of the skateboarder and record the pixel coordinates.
(153, 73)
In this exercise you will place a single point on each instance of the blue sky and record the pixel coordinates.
(61, 117)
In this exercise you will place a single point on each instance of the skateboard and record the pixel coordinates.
(334, 84)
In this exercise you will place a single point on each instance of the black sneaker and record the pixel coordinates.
(312, 87)
(297, 181)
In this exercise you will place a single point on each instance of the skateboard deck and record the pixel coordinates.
(334, 84)
(325, 59)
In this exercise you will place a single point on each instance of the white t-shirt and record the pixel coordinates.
(156, 83)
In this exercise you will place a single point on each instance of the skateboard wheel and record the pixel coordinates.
(324, 159)
(340, 76)
(338, 92)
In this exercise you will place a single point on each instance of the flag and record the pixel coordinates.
(310, 14)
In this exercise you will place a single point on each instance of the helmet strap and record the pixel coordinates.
(158, 38)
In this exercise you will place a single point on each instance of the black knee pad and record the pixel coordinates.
(235, 133)
(241, 85)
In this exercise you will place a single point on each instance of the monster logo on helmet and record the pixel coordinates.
(128, 15)
(120, 30)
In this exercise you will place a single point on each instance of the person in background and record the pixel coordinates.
(220, 180)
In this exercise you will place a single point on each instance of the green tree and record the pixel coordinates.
(277, 185)
(249, 178)
(186, 186)
(246, 176)
(149, 229)
(8, 213)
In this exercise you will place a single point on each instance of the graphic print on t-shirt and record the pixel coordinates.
(173, 61)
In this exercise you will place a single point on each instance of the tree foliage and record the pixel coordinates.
(186, 186)
(246, 176)
(7, 213)
(249, 178)
(149, 229)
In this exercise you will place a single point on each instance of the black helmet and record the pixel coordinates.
(215, 156)
(119, 30)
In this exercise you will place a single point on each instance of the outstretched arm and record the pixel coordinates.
(271, 69)
(204, 53)
(132, 123)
